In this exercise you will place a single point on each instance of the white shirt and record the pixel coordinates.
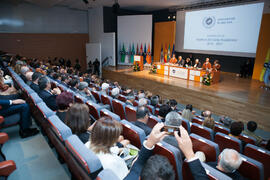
(113, 162)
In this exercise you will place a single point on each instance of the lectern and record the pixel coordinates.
(139, 60)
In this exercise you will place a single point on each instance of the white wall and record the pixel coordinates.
(29, 18)
(97, 35)
(134, 29)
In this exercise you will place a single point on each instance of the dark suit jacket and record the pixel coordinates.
(235, 175)
(35, 87)
(195, 166)
(199, 65)
(49, 99)
(137, 167)
(197, 170)
(4, 103)
(143, 126)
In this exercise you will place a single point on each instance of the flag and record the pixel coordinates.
(148, 55)
(173, 50)
(264, 69)
(132, 53)
(165, 54)
(137, 50)
(169, 53)
(144, 54)
(128, 53)
(123, 53)
(141, 50)
(161, 54)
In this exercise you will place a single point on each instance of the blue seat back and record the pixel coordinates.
(59, 128)
(106, 112)
(135, 134)
(107, 174)
(83, 155)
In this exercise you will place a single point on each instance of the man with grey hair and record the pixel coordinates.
(229, 161)
(28, 76)
(24, 70)
(172, 119)
(85, 92)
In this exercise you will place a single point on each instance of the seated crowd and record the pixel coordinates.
(103, 136)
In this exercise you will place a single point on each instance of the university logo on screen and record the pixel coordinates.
(209, 22)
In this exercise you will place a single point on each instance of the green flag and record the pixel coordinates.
(123, 53)
(132, 54)
(169, 53)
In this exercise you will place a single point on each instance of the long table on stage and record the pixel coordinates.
(185, 73)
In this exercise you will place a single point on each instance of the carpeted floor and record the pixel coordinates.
(33, 157)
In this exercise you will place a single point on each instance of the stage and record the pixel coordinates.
(241, 99)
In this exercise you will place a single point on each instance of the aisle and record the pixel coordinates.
(33, 157)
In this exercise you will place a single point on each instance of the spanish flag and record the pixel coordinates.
(148, 55)
(165, 54)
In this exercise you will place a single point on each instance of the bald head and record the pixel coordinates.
(28, 75)
(229, 160)
(207, 113)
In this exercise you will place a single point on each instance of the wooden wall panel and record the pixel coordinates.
(164, 34)
(263, 46)
(46, 45)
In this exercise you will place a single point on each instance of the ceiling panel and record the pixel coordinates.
(139, 5)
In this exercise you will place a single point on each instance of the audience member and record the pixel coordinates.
(143, 102)
(209, 122)
(64, 101)
(154, 101)
(163, 111)
(46, 94)
(187, 113)
(141, 95)
(173, 104)
(142, 115)
(251, 128)
(24, 70)
(229, 161)
(78, 120)
(158, 167)
(130, 100)
(172, 119)
(85, 92)
(28, 77)
(34, 83)
(104, 88)
(236, 129)
(10, 107)
(73, 84)
(115, 93)
(104, 136)
(157, 164)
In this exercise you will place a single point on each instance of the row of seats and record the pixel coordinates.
(136, 136)
(130, 132)
(82, 162)
(220, 139)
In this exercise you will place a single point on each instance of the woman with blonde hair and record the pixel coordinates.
(104, 135)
